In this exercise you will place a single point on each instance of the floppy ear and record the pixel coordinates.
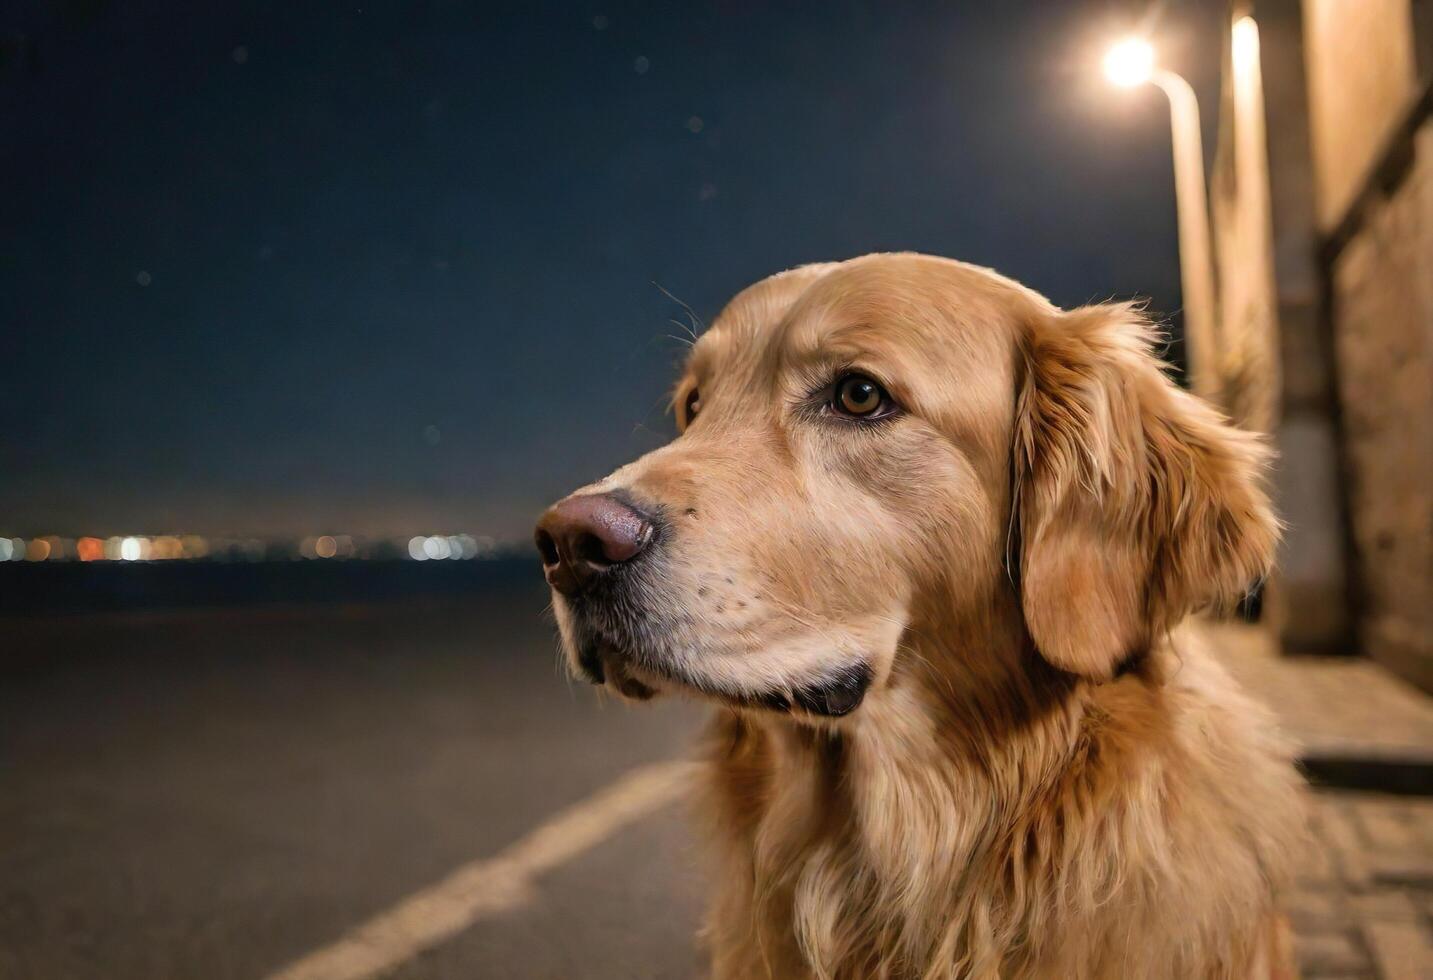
(1137, 503)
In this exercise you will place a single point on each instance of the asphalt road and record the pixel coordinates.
(220, 794)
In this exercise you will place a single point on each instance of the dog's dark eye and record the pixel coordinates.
(857, 396)
(691, 406)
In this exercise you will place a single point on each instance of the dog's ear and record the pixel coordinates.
(1136, 502)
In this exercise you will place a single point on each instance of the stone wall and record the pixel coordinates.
(1383, 319)
(1374, 204)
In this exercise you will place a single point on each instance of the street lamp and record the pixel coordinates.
(1129, 64)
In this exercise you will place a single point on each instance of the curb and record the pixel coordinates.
(1400, 774)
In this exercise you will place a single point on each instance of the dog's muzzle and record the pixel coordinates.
(596, 549)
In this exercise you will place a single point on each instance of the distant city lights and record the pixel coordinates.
(194, 547)
(438, 547)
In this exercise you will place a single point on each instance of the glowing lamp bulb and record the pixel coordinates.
(1246, 45)
(1129, 63)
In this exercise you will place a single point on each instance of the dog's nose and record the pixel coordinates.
(584, 536)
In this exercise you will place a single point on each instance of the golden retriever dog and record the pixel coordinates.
(926, 541)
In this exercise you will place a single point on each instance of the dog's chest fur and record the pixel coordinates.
(1132, 830)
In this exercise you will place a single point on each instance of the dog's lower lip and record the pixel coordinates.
(839, 696)
(833, 695)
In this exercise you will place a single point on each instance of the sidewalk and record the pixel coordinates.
(1362, 906)
(1331, 706)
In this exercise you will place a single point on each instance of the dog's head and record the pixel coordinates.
(871, 445)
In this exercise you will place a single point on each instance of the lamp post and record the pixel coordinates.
(1129, 64)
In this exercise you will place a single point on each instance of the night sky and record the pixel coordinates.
(389, 268)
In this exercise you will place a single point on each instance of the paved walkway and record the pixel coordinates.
(1363, 903)
(1331, 705)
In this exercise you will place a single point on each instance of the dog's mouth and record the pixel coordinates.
(832, 694)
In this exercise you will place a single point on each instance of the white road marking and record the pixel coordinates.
(490, 885)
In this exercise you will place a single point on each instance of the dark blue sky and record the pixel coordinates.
(387, 268)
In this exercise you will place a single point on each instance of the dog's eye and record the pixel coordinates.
(857, 396)
(691, 406)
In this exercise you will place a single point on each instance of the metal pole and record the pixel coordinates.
(1196, 254)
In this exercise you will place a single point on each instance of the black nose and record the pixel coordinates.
(584, 536)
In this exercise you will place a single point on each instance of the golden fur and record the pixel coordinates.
(1048, 776)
